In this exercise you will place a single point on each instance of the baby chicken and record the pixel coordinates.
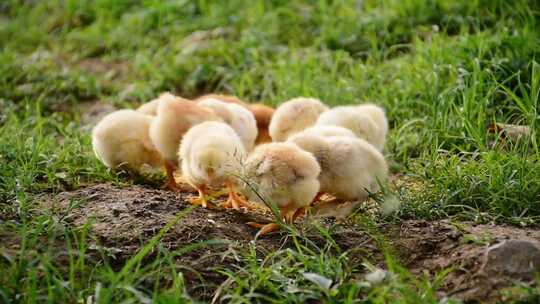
(359, 122)
(377, 114)
(174, 117)
(224, 98)
(326, 131)
(350, 166)
(282, 174)
(121, 139)
(150, 108)
(211, 153)
(238, 117)
(294, 116)
(262, 113)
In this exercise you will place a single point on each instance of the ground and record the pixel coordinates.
(448, 74)
(121, 220)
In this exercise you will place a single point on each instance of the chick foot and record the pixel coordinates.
(200, 200)
(287, 213)
(317, 197)
(264, 228)
(234, 200)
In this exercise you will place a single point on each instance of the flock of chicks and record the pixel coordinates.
(290, 156)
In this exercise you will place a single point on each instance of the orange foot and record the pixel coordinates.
(200, 200)
(235, 201)
(264, 228)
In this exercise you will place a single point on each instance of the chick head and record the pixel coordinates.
(212, 162)
(283, 174)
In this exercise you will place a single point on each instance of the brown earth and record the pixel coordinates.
(121, 219)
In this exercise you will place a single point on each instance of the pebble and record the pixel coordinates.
(515, 258)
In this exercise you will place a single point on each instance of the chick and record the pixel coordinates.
(294, 116)
(351, 168)
(224, 98)
(359, 122)
(377, 114)
(121, 139)
(262, 113)
(150, 108)
(239, 118)
(174, 117)
(284, 175)
(327, 131)
(211, 154)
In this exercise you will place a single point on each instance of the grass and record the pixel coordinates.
(444, 70)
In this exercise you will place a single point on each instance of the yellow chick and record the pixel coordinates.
(174, 117)
(327, 131)
(350, 166)
(238, 117)
(359, 122)
(282, 174)
(263, 113)
(294, 116)
(377, 114)
(150, 108)
(211, 154)
(121, 139)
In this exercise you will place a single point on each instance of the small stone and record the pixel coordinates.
(515, 258)
(376, 276)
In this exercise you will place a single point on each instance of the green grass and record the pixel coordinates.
(444, 70)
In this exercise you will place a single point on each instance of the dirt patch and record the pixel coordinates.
(122, 219)
(431, 247)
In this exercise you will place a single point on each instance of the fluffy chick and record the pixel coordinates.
(327, 131)
(350, 166)
(294, 116)
(211, 153)
(174, 117)
(121, 139)
(377, 114)
(359, 122)
(239, 118)
(224, 98)
(150, 108)
(262, 113)
(282, 174)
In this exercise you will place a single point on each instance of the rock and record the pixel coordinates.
(514, 258)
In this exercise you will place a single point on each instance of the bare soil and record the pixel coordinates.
(122, 219)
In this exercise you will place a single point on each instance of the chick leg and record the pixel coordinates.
(201, 199)
(298, 212)
(318, 197)
(171, 182)
(234, 201)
